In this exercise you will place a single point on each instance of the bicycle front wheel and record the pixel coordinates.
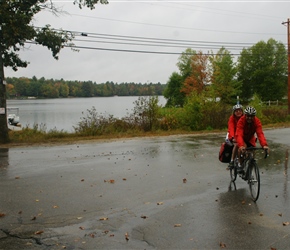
(254, 180)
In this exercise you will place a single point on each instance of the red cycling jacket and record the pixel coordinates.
(245, 132)
(232, 125)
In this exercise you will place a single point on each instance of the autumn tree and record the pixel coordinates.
(199, 76)
(16, 28)
(262, 69)
(224, 84)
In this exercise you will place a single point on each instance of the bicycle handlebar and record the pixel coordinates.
(256, 148)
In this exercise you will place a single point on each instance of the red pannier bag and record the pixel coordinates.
(225, 153)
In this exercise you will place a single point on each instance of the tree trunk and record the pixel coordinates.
(4, 136)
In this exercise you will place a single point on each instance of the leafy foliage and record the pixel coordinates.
(17, 29)
(224, 84)
(175, 98)
(145, 117)
(263, 70)
(184, 63)
(146, 113)
(199, 75)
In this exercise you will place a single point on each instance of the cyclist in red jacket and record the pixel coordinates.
(232, 125)
(247, 127)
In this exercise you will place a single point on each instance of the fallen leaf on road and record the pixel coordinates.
(177, 225)
(159, 203)
(17, 177)
(104, 218)
(144, 217)
(39, 232)
(127, 236)
(222, 245)
(2, 215)
(81, 228)
(110, 181)
(286, 223)
(184, 180)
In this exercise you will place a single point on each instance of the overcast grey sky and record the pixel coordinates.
(161, 30)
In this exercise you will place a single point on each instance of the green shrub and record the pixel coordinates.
(146, 113)
(215, 115)
(274, 114)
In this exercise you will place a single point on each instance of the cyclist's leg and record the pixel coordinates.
(246, 144)
(240, 153)
(235, 151)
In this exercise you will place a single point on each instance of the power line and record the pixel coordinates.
(160, 45)
(129, 50)
(153, 40)
(125, 40)
(177, 27)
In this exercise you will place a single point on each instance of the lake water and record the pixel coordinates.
(64, 113)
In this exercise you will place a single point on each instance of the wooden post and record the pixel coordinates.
(288, 39)
(288, 36)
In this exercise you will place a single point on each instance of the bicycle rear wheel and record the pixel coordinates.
(254, 180)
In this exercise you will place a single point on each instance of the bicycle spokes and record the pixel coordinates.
(254, 181)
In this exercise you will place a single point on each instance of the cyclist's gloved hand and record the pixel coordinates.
(229, 142)
(266, 148)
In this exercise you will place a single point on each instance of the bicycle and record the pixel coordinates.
(250, 171)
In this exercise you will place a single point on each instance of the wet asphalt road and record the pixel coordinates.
(145, 193)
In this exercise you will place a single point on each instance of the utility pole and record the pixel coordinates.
(288, 38)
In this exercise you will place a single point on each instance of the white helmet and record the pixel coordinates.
(250, 111)
(237, 106)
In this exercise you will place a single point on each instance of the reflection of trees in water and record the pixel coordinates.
(3, 159)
